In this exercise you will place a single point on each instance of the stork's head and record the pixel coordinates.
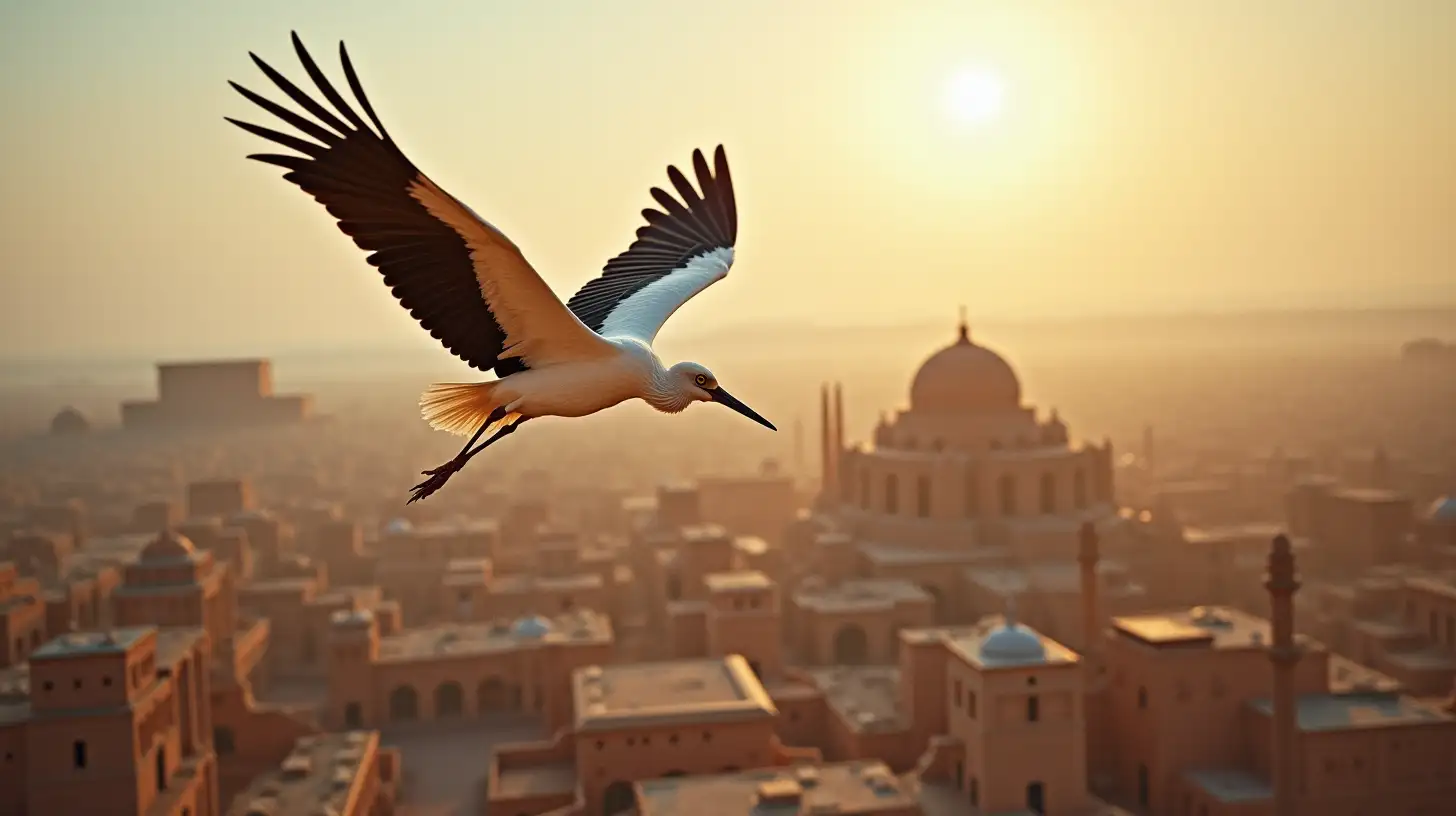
(699, 384)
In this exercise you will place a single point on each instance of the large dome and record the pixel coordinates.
(964, 378)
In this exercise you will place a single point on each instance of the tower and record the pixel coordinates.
(1284, 655)
(1087, 558)
(353, 647)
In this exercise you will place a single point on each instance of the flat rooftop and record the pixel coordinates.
(75, 644)
(1230, 784)
(1348, 676)
(1201, 627)
(1062, 577)
(1234, 533)
(847, 787)
(318, 777)
(1370, 495)
(536, 780)
(893, 555)
(1340, 712)
(582, 627)
(861, 595)
(521, 584)
(972, 647)
(738, 581)
(678, 692)
(865, 697)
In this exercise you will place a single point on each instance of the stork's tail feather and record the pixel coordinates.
(460, 408)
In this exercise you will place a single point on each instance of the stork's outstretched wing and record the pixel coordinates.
(465, 282)
(678, 254)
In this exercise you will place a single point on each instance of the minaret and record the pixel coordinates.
(798, 447)
(1380, 470)
(823, 439)
(1284, 654)
(1087, 557)
(837, 441)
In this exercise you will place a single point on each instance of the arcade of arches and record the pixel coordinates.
(492, 696)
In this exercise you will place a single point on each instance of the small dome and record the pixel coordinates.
(1442, 511)
(532, 627)
(399, 526)
(168, 545)
(964, 378)
(1013, 644)
(69, 421)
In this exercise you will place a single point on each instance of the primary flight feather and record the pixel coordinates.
(470, 287)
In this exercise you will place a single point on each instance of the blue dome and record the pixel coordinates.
(399, 526)
(532, 627)
(1442, 510)
(1013, 644)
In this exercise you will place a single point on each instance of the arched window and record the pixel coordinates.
(892, 495)
(404, 704)
(922, 496)
(1079, 489)
(972, 499)
(1007, 489)
(1048, 494)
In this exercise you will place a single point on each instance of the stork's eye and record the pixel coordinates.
(701, 379)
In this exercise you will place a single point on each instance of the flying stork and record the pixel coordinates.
(471, 288)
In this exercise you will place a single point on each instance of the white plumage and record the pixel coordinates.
(471, 288)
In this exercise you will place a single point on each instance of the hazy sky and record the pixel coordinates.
(1150, 156)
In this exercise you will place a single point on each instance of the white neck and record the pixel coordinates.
(665, 391)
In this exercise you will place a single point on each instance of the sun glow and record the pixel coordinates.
(974, 97)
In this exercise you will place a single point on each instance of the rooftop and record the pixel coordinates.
(469, 639)
(1262, 532)
(536, 780)
(866, 697)
(1348, 676)
(739, 581)
(1339, 712)
(1051, 576)
(1230, 784)
(891, 554)
(113, 641)
(1370, 495)
(848, 787)
(861, 595)
(992, 644)
(1207, 627)
(317, 778)
(682, 692)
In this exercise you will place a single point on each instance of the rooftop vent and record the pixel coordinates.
(780, 793)
(297, 767)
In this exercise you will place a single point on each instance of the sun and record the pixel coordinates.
(974, 97)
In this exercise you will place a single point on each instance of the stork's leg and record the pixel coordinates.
(461, 456)
(440, 475)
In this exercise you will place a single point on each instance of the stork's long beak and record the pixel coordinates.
(724, 398)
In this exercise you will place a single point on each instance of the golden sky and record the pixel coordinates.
(1149, 156)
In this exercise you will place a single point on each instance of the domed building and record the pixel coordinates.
(69, 422)
(967, 465)
(974, 496)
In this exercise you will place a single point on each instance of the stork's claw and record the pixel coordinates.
(438, 477)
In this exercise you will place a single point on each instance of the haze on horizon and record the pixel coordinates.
(1146, 158)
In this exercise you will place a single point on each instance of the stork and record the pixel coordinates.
(471, 288)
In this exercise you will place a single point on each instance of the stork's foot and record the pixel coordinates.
(438, 477)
